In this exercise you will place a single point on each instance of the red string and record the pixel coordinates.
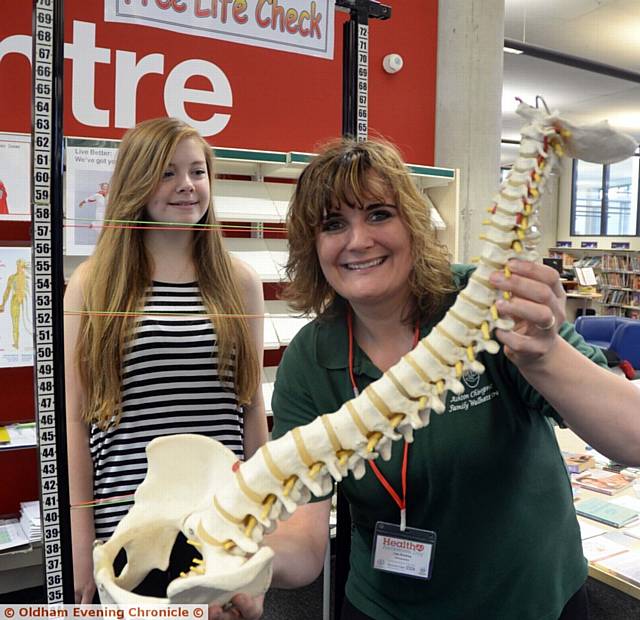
(401, 503)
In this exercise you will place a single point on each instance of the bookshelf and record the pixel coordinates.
(618, 275)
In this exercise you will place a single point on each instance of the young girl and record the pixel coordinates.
(163, 335)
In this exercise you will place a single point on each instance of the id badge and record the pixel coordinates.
(409, 552)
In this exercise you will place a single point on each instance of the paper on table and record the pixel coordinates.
(600, 547)
(632, 531)
(589, 531)
(11, 535)
(627, 501)
(626, 566)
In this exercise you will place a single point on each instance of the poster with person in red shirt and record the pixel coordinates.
(4, 209)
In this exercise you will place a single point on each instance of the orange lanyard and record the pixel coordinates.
(401, 502)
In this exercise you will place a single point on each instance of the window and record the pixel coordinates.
(605, 198)
(622, 197)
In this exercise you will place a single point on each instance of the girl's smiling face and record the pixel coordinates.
(183, 193)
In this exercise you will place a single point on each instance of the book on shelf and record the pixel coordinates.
(577, 462)
(605, 512)
(567, 258)
(18, 435)
(603, 481)
(588, 530)
(588, 261)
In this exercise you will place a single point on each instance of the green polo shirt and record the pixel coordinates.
(486, 476)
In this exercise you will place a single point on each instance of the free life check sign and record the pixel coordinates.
(297, 26)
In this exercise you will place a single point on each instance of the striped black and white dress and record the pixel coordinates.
(170, 385)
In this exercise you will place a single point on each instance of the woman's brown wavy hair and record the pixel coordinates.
(340, 172)
(120, 270)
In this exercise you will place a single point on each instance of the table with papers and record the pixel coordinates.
(613, 553)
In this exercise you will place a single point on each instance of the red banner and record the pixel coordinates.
(237, 95)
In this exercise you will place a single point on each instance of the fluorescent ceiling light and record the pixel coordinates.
(512, 50)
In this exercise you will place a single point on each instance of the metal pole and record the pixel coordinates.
(48, 285)
(355, 124)
(573, 61)
(355, 64)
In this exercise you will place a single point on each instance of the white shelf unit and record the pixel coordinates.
(248, 201)
(266, 256)
(234, 198)
(285, 323)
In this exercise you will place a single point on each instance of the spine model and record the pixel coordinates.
(225, 507)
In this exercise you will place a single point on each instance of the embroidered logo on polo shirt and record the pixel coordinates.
(474, 394)
(471, 379)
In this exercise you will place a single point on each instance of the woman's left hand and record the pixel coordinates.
(244, 607)
(537, 306)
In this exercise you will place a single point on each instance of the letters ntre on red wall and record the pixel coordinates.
(117, 74)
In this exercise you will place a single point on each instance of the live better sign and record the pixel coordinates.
(297, 26)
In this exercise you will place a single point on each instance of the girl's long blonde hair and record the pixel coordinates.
(120, 271)
(339, 173)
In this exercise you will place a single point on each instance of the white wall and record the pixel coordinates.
(468, 101)
(549, 215)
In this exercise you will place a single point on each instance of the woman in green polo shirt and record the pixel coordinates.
(484, 489)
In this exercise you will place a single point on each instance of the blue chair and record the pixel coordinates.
(626, 342)
(599, 330)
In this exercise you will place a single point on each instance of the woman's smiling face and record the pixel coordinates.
(364, 248)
